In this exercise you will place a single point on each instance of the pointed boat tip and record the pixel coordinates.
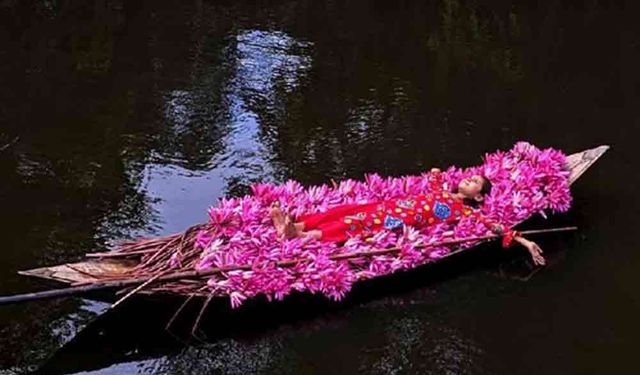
(603, 149)
(579, 162)
(599, 150)
(26, 272)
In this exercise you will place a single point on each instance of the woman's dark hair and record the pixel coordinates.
(486, 189)
(486, 186)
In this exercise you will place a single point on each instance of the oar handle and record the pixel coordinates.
(53, 293)
(551, 230)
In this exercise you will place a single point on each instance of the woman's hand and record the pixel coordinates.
(534, 250)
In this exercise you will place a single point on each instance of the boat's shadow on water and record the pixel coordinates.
(136, 330)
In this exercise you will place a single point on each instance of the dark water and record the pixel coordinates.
(126, 118)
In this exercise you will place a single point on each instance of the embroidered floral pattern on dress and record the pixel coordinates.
(410, 203)
(392, 223)
(441, 211)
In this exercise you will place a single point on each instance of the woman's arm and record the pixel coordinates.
(510, 235)
(534, 250)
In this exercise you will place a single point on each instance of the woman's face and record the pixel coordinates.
(471, 187)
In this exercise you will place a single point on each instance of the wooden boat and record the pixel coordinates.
(92, 271)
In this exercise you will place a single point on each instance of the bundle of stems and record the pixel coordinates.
(161, 277)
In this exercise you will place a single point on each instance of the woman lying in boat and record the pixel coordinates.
(439, 205)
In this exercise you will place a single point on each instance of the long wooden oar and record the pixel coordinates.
(55, 293)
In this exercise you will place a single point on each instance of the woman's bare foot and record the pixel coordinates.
(278, 218)
(290, 229)
(283, 223)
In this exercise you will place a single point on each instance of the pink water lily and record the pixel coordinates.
(526, 181)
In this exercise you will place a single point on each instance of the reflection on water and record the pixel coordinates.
(405, 334)
(131, 117)
(470, 38)
(269, 66)
(224, 357)
(264, 66)
(414, 344)
(267, 61)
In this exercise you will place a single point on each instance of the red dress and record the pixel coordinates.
(342, 222)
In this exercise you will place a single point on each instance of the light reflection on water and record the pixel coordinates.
(263, 62)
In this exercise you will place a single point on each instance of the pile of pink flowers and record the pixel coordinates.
(526, 180)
